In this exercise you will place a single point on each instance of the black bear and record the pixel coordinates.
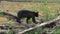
(27, 14)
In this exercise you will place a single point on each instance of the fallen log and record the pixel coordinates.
(39, 25)
(4, 26)
(9, 27)
(9, 14)
(4, 31)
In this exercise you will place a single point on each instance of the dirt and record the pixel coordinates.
(3, 19)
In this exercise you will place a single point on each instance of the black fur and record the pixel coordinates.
(27, 14)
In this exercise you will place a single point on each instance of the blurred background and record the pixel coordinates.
(48, 10)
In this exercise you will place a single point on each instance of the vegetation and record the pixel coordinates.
(57, 31)
(45, 9)
(58, 1)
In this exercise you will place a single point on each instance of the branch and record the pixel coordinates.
(39, 25)
(3, 31)
(10, 14)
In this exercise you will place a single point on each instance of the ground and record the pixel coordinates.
(35, 6)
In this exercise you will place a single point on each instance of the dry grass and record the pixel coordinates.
(16, 6)
(3, 19)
